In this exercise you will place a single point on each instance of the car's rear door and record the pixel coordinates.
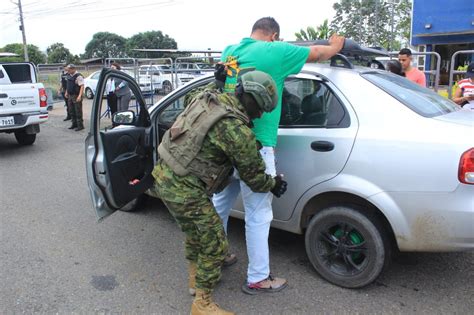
(119, 158)
(316, 135)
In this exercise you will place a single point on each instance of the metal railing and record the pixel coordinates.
(452, 72)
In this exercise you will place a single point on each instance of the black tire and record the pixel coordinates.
(89, 93)
(23, 138)
(346, 247)
(167, 87)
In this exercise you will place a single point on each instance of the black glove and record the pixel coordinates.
(220, 75)
(280, 186)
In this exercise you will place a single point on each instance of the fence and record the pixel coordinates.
(452, 72)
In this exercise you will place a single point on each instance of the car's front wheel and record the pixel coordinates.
(89, 93)
(347, 247)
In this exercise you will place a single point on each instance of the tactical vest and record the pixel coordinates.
(182, 143)
(64, 77)
(72, 87)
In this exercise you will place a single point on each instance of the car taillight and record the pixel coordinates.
(466, 167)
(43, 97)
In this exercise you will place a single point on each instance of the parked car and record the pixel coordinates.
(194, 69)
(23, 101)
(374, 163)
(160, 79)
(90, 84)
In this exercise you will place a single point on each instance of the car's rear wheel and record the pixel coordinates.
(347, 247)
(89, 93)
(23, 138)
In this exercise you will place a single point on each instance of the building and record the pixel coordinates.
(445, 27)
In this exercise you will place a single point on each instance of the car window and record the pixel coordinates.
(311, 103)
(96, 76)
(419, 99)
(170, 113)
(122, 100)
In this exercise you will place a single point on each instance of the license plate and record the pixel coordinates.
(7, 121)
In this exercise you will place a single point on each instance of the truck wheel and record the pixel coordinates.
(167, 87)
(23, 138)
(89, 93)
(347, 247)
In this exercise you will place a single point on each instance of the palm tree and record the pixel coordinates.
(321, 32)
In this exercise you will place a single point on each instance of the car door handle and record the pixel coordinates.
(322, 146)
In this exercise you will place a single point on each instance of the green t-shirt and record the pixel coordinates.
(279, 60)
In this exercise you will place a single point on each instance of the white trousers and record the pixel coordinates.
(258, 216)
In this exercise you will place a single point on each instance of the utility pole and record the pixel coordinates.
(22, 29)
(391, 25)
(376, 27)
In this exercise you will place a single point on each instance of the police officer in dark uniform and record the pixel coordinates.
(62, 90)
(74, 93)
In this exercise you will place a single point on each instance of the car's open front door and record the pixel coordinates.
(119, 147)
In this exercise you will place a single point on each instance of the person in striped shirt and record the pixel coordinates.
(464, 95)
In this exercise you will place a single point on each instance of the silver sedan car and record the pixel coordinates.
(374, 163)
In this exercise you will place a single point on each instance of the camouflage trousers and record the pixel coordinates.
(206, 242)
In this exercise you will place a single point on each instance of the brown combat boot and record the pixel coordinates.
(203, 305)
(192, 268)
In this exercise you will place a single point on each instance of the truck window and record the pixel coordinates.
(18, 73)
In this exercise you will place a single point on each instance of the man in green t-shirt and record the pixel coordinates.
(263, 51)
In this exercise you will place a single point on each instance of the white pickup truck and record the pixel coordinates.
(160, 78)
(23, 101)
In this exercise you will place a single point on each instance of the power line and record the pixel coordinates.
(70, 9)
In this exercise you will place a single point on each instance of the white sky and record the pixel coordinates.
(193, 24)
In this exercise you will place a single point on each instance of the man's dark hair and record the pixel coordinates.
(116, 65)
(395, 66)
(268, 25)
(405, 51)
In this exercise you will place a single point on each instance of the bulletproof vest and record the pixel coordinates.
(64, 77)
(72, 87)
(182, 143)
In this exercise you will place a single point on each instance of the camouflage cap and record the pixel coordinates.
(262, 87)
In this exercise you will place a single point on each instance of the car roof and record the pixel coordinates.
(330, 72)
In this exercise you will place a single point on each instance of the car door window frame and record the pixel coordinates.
(343, 122)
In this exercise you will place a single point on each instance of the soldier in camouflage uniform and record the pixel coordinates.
(197, 157)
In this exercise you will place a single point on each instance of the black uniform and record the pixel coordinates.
(73, 90)
(64, 76)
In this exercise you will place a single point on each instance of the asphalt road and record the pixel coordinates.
(56, 258)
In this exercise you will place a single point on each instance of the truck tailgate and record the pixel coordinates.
(19, 98)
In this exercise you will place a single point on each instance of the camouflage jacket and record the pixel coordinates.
(228, 143)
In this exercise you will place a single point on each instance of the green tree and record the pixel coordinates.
(150, 40)
(57, 53)
(383, 23)
(321, 32)
(34, 54)
(106, 45)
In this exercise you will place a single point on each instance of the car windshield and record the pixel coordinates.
(421, 100)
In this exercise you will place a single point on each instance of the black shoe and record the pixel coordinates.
(79, 128)
(73, 127)
(67, 118)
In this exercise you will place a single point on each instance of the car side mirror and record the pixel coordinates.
(124, 118)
